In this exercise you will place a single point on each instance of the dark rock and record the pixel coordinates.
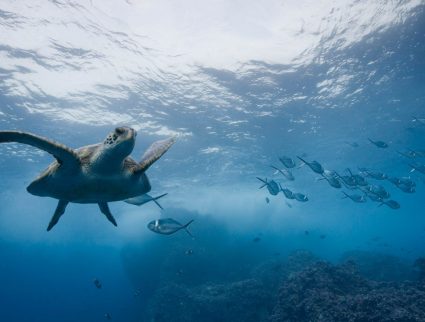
(245, 300)
(330, 293)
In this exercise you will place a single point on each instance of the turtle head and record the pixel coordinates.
(120, 142)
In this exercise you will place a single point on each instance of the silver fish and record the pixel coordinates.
(313, 165)
(142, 199)
(300, 197)
(408, 154)
(406, 188)
(332, 178)
(391, 203)
(287, 193)
(271, 185)
(287, 162)
(355, 198)
(374, 174)
(358, 179)
(379, 144)
(97, 283)
(168, 226)
(348, 181)
(286, 173)
(418, 167)
(378, 190)
(421, 121)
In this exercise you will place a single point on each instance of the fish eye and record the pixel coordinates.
(119, 130)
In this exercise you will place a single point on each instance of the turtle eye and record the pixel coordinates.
(119, 130)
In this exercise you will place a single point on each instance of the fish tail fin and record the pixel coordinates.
(156, 198)
(302, 160)
(263, 181)
(321, 178)
(412, 168)
(276, 168)
(371, 141)
(344, 195)
(185, 227)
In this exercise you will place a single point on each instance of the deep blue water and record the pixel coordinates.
(240, 84)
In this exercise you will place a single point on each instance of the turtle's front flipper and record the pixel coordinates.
(60, 210)
(105, 210)
(153, 153)
(61, 152)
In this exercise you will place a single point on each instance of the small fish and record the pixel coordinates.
(419, 153)
(357, 178)
(189, 252)
(313, 165)
(300, 197)
(418, 167)
(306, 232)
(271, 185)
(287, 193)
(137, 292)
(168, 226)
(355, 198)
(375, 197)
(288, 204)
(108, 316)
(145, 198)
(286, 173)
(419, 120)
(406, 188)
(378, 190)
(348, 181)
(391, 203)
(332, 178)
(408, 154)
(97, 283)
(287, 162)
(394, 180)
(379, 144)
(267, 200)
(360, 181)
(322, 236)
(374, 174)
(256, 239)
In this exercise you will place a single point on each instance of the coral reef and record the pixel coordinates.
(245, 300)
(324, 292)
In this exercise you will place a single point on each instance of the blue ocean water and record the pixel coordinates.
(240, 84)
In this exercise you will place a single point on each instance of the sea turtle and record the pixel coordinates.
(98, 173)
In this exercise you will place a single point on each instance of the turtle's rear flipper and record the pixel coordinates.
(60, 210)
(105, 210)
